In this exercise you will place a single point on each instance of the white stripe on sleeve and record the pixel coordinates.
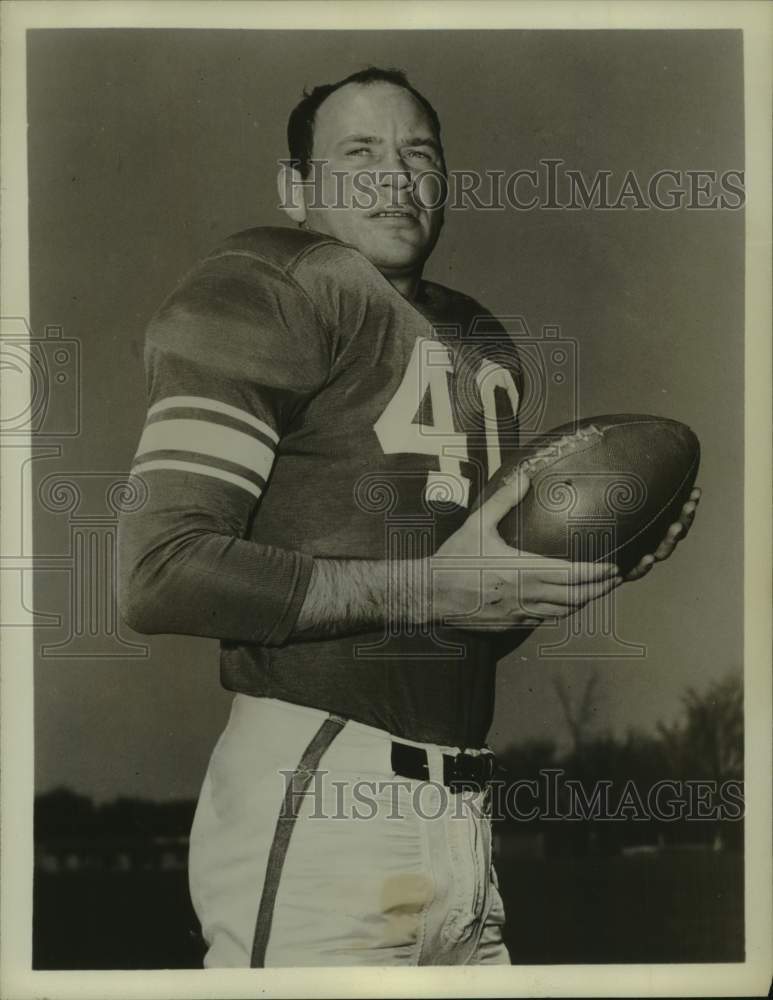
(205, 438)
(162, 464)
(202, 403)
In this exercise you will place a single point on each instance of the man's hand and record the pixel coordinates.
(479, 582)
(675, 534)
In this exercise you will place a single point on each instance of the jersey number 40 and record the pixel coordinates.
(399, 429)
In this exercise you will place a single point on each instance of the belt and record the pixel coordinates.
(460, 771)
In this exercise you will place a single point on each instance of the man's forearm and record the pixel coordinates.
(347, 596)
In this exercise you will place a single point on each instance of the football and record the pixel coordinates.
(602, 489)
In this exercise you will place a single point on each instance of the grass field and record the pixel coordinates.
(676, 906)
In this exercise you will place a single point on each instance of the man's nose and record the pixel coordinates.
(395, 172)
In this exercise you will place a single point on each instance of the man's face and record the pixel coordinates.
(377, 139)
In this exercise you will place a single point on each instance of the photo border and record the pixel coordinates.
(750, 978)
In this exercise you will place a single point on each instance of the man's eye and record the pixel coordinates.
(418, 152)
(358, 151)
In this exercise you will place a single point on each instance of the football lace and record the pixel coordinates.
(549, 453)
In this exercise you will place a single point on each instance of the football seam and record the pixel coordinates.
(553, 452)
(645, 527)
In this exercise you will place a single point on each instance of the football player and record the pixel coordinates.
(320, 422)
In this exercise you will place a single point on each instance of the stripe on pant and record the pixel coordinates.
(285, 823)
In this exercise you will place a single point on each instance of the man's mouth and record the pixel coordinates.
(395, 213)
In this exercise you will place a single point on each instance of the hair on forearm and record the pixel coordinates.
(347, 596)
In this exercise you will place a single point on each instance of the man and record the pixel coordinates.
(320, 425)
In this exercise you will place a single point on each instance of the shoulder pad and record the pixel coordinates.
(281, 246)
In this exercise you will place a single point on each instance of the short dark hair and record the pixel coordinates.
(300, 125)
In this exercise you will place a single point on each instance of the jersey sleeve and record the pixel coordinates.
(231, 358)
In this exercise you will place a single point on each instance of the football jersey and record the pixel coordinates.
(301, 407)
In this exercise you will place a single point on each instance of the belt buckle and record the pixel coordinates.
(468, 771)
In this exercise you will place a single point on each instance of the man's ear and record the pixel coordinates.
(292, 189)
